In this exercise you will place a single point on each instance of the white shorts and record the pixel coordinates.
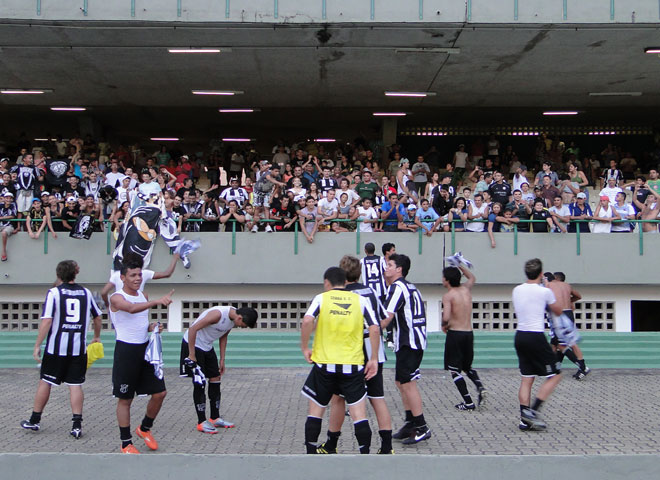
(24, 200)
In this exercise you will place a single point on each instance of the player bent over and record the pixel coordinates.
(67, 311)
(338, 317)
(199, 360)
(131, 373)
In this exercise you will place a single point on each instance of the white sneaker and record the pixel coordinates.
(206, 427)
(268, 229)
(221, 423)
(255, 229)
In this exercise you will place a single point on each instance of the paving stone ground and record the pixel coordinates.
(608, 413)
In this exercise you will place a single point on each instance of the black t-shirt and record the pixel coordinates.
(56, 169)
(521, 213)
(78, 192)
(538, 227)
(9, 187)
(231, 220)
(642, 194)
(70, 215)
(500, 192)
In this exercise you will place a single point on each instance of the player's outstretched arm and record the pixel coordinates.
(170, 269)
(471, 279)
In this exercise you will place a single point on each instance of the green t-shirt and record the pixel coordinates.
(367, 190)
(655, 185)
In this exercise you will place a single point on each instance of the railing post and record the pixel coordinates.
(132, 8)
(233, 237)
(515, 239)
(420, 230)
(227, 9)
(108, 242)
(453, 237)
(641, 239)
(45, 240)
(357, 238)
(577, 236)
(295, 239)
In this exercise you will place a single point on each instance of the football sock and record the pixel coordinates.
(125, 436)
(409, 416)
(363, 435)
(472, 375)
(537, 405)
(200, 401)
(385, 440)
(147, 423)
(459, 381)
(312, 432)
(419, 421)
(35, 417)
(214, 399)
(333, 438)
(77, 420)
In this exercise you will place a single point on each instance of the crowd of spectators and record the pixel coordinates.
(316, 188)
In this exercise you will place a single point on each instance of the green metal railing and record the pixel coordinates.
(578, 244)
(358, 243)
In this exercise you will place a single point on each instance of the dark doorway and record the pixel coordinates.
(645, 315)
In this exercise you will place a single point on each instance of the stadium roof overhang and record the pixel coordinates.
(326, 79)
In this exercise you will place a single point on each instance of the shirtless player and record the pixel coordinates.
(565, 336)
(457, 324)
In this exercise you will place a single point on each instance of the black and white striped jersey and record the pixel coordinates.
(405, 302)
(71, 307)
(26, 176)
(373, 268)
(239, 194)
(326, 184)
(380, 313)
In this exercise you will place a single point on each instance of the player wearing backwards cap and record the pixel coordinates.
(339, 318)
(198, 356)
(8, 212)
(457, 324)
(535, 357)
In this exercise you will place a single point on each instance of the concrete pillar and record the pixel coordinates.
(389, 137)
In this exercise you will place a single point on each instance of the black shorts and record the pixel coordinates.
(321, 385)
(407, 364)
(535, 357)
(375, 387)
(459, 351)
(131, 373)
(69, 369)
(208, 362)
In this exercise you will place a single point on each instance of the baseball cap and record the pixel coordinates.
(412, 207)
(44, 193)
(4, 159)
(185, 157)
(604, 197)
(403, 160)
(70, 199)
(8, 194)
(523, 167)
(36, 199)
(233, 179)
(581, 195)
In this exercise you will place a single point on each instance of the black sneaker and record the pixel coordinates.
(524, 427)
(581, 374)
(482, 397)
(324, 450)
(30, 426)
(464, 406)
(76, 433)
(418, 435)
(532, 418)
(404, 432)
(385, 452)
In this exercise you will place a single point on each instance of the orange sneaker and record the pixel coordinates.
(130, 448)
(148, 438)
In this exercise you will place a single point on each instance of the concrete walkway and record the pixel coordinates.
(611, 412)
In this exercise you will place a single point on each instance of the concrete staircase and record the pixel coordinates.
(281, 349)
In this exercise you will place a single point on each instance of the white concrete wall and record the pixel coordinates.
(338, 11)
(621, 296)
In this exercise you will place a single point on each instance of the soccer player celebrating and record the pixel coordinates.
(197, 354)
(404, 304)
(457, 324)
(535, 357)
(131, 373)
(65, 320)
(338, 317)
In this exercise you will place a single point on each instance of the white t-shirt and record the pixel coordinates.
(352, 195)
(529, 302)
(125, 195)
(603, 227)
(518, 180)
(611, 193)
(114, 179)
(477, 226)
(131, 327)
(207, 335)
(624, 211)
(328, 208)
(563, 211)
(115, 279)
(460, 157)
(366, 214)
